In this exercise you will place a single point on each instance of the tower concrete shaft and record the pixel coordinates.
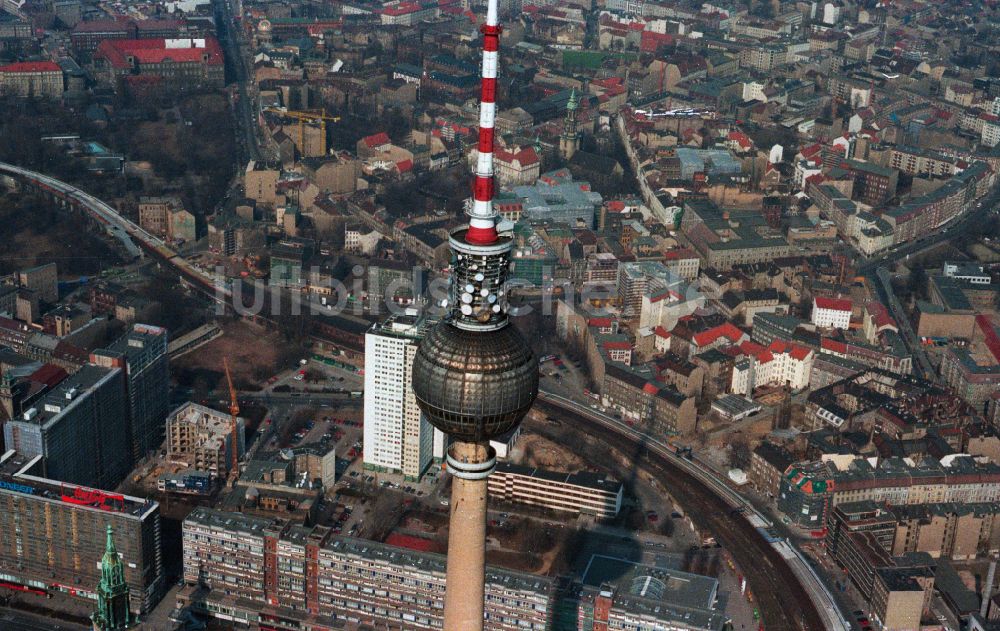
(474, 376)
(466, 569)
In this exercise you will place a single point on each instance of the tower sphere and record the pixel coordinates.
(474, 385)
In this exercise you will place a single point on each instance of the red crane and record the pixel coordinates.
(234, 412)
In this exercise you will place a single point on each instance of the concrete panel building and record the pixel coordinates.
(142, 355)
(584, 492)
(81, 429)
(397, 436)
(52, 535)
(255, 570)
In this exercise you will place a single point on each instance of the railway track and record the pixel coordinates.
(783, 602)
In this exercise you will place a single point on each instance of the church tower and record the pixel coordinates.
(569, 142)
(112, 592)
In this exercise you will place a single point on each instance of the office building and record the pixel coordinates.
(142, 355)
(268, 571)
(900, 597)
(397, 437)
(616, 594)
(557, 198)
(52, 535)
(80, 428)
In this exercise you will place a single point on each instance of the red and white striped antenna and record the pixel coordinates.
(483, 218)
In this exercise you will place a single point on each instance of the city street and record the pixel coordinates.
(11, 620)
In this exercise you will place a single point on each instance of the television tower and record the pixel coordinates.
(474, 376)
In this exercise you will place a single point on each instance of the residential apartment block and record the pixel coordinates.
(584, 492)
(397, 436)
(267, 571)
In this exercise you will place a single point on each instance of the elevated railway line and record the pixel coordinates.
(786, 588)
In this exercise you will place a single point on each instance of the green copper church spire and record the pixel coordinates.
(569, 140)
(112, 592)
(572, 103)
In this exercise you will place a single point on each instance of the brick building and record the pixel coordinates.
(164, 64)
(38, 79)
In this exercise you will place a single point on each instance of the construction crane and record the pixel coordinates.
(304, 117)
(234, 413)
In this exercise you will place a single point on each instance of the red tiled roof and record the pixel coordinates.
(403, 8)
(811, 150)
(741, 139)
(880, 314)
(155, 51)
(679, 253)
(601, 322)
(649, 40)
(727, 330)
(662, 332)
(836, 304)
(377, 140)
(990, 335)
(834, 346)
(49, 374)
(404, 166)
(617, 346)
(650, 388)
(526, 156)
(32, 66)
(797, 352)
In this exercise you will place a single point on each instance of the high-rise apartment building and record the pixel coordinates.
(80, 428)
(52, 535)
(267, 571)
(397, 436)
(142, 354)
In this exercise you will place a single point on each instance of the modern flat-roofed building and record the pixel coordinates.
(583, 492)
(255, 570)
(620, 594)
(41, 279)
(142, 354)
(81, 429)
(397, 436)
(52, 535)
(202, 437)
(900, 597)
(724, 238)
